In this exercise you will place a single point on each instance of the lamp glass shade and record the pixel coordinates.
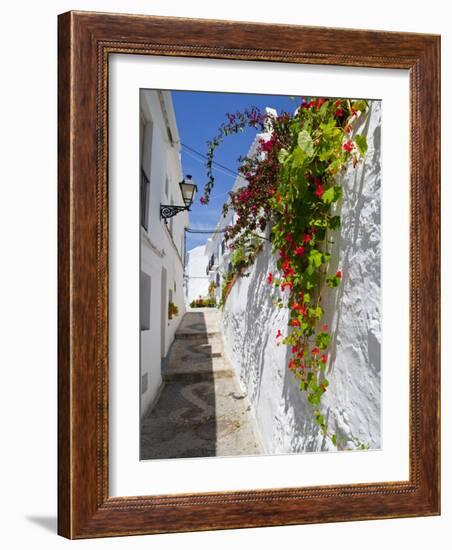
(188, 190)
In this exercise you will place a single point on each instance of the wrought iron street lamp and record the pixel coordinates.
(188, 189)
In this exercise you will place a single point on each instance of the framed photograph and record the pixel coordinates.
(248, 275)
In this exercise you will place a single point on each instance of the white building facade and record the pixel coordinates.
(197, 280)
(162, 244)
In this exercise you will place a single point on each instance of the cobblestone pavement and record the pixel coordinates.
(201, 410)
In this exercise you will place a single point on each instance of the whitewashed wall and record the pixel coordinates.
(197, 279)
(162, 244)
(352, 402)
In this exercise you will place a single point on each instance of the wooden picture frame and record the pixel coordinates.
(85, 42)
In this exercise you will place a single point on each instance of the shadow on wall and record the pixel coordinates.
(283, 413)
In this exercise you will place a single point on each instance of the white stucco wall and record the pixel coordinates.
(161, 244)
(197, 279)
(352, 403)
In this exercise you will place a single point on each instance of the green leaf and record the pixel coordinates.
(298, 157)
(359, 105)
(332, 194)
(334, 439)
(305, 143)
(323, 340)
(315, 258)
(333, 281)
(361, 143)
(314, 399)
(282, 155)
(330, 129)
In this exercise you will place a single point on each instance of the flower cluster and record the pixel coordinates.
(291, 186)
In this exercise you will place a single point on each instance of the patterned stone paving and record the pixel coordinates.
(201, 410)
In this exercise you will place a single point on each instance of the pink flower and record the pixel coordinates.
(270, 278)
(325, 328)
(307, 238)
(203, 200)
(299, 251)
(348, 146)
(319, 191)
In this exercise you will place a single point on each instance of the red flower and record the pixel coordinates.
(325, 328)
(299, 251)
(294, 349)
(339, 274)
(315, 351)
(295, 323)
(292, 364)
(323, 358)
(337, 102)
(347, 129)
(279, 334)
(319, 191)
(289, 238)
(339, 112)
(307, 238)
(323, 387)
(270, 278)
(267, 145)
(348, 146)
(203, 200)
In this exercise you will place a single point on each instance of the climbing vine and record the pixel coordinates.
(289, 195)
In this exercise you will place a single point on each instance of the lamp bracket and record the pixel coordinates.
(170, 210)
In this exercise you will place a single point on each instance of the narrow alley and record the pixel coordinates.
(201, 410)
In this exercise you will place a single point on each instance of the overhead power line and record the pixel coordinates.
(204, 157)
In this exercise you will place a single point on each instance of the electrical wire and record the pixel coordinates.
(204, 157)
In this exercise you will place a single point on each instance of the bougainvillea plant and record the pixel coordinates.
(289, 194)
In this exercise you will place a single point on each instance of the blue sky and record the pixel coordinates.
(199, 115)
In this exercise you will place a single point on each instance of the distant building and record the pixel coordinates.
(196, 276)
(162, 244)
